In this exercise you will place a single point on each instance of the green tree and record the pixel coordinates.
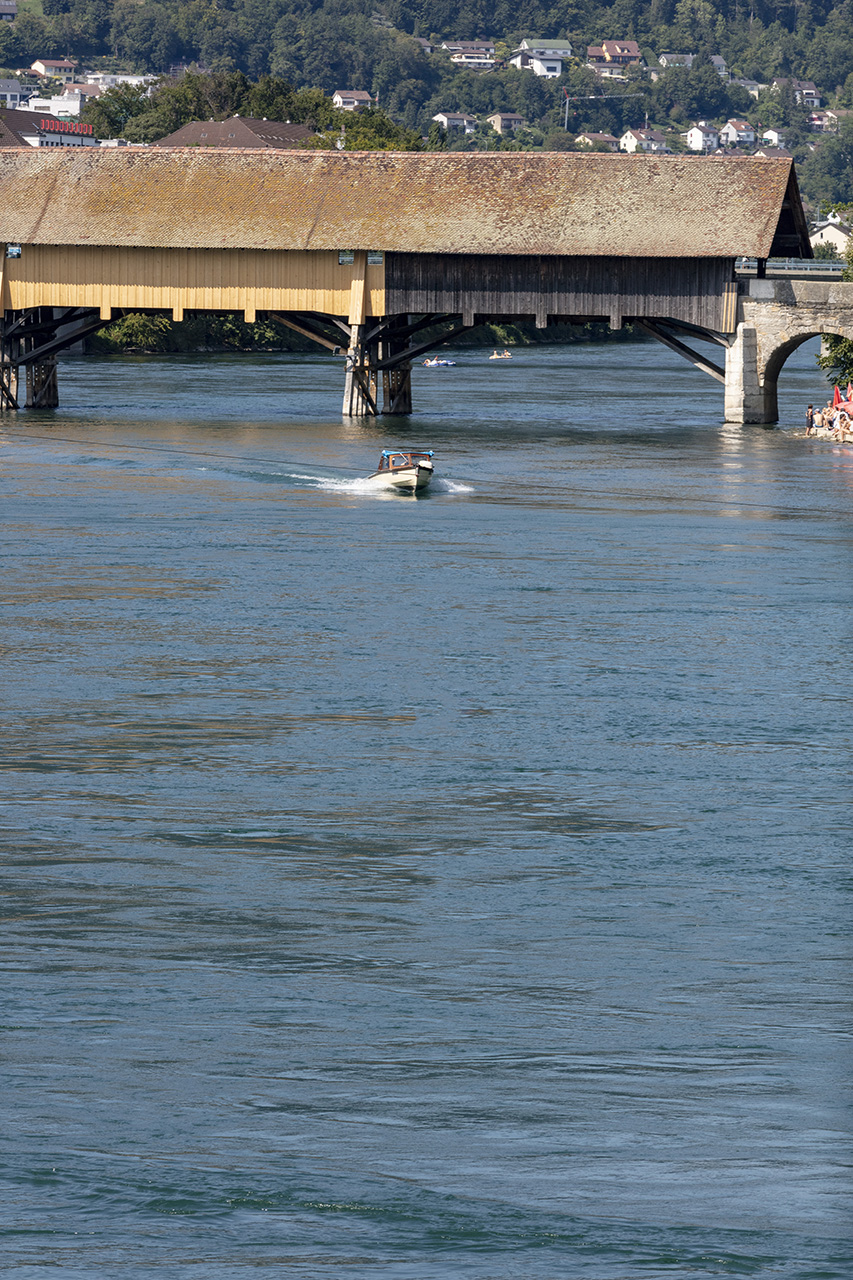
(111, 112)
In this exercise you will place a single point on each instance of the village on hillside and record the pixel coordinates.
(613, 96)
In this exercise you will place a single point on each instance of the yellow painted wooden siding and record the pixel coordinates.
(246, 280)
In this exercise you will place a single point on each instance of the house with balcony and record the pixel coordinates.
(805, 91)
(456, 120)
(611, 57)
(351, 99)
(737, 133)
(702, 137)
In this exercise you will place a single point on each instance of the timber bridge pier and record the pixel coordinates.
(384, 256)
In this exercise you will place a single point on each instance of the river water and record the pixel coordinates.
(452, 886)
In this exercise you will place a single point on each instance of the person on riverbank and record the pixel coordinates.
(810, 425)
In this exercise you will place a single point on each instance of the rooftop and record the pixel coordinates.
(240, 132)
(560, 203)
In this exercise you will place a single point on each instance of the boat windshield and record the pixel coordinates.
(389, 459)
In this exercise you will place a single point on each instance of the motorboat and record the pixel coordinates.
(406, 470)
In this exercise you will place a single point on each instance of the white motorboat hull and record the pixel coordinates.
(403, 479)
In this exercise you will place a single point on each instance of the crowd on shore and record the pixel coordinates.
(834, 421)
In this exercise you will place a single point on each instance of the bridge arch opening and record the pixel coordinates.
(778, 357)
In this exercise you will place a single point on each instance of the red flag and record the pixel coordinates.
(850, 390)
(836, 399)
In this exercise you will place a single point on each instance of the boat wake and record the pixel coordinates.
(362, 485)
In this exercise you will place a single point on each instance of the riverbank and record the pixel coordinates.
(202, 332)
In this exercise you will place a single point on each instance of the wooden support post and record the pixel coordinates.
(397, 379)
(42, 385)
(360, 385)
(8, 370)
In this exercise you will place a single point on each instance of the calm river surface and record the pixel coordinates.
(413, 888)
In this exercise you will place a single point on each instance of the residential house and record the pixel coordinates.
(828, 121)
(737, 133)
(805, 91)
(31, 130)
(57, 105)
(473, 61)
(50, 69)
(425, 44)
(110, 80)
(611, 57)
(541, 58)
(833, 232)
(669, 60)
(351, 99)
(774, 137)
(485, 48)
(244, 132)
(702, 137)
(772, 153)
(719, 65)
(507, 121)
(477, 55)
(10, 94)
(648, 140)
(8, 10)
(456, 120)
(753, 87)
(598, 140)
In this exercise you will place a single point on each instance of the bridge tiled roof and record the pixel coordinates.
(489, 203)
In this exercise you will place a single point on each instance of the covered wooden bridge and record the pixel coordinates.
(366, 253)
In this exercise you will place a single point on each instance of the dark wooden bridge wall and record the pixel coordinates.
(689, 289)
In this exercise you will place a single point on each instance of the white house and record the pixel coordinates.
(507, 121)
(10, 94)
(737, 133)
(60, 104)
(676, 60)
(649, 140)
(473, 61)
(456, 120)
(351, 99)
(478, 55)
(541, 58)
(805, 91)
(834, 233)
(775, 137)
(702, 137)
(109, 80)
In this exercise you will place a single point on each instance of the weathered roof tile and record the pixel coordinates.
(510, 203)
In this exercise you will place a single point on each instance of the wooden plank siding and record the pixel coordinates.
(610, 288)
(178, 280)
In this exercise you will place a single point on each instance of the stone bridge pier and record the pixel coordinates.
(774, 316)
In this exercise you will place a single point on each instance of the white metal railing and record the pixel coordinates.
(775, 265)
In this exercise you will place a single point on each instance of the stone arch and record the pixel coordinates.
(773, 361)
